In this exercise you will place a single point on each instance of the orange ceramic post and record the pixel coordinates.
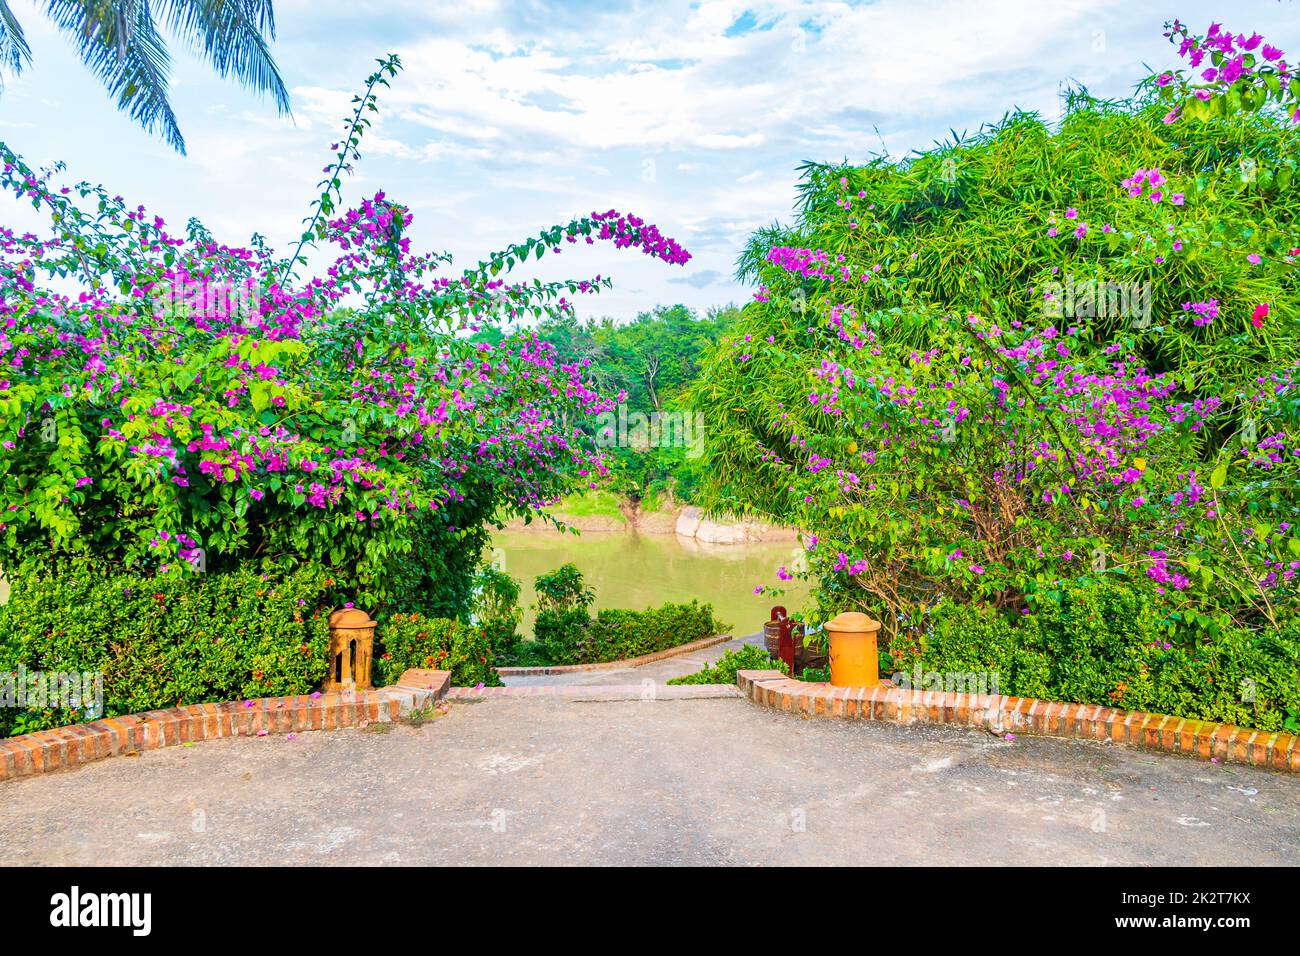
(352, 642)
(854, 662)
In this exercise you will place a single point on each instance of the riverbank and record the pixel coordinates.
(602, 512)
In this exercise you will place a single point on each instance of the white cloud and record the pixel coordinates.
(511, 115)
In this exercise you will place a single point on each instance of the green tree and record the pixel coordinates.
(1037, 356)
(121, 44)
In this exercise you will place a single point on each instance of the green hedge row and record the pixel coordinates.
(750, 657)
(1107, 643)
(160, 642)
(185, 639)
(410, 640)
(613, 635)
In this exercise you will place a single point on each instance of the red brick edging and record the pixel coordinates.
(67, 747)
(998, 713)
(615, 665)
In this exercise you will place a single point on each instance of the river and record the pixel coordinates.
(636, 571)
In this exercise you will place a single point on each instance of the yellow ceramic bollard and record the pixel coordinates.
(854, 662)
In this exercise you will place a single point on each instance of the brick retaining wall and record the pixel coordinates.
(1001, 714)
(71, 746)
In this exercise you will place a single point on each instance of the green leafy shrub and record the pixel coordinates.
(562, 603)
(1107, 643)
(411, 640)
(495, 608)
(525, 654)
(566, 633)
(616, 634)
(750, 657)
(164, 641)
(557, 631)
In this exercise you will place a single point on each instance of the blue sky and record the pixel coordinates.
(510, 116)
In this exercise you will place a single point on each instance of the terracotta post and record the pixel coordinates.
(352, 645)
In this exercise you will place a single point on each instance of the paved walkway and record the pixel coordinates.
(549, 781)
(658, 672)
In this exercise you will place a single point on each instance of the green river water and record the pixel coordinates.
(637, 571)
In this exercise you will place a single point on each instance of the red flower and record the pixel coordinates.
(1259, 315)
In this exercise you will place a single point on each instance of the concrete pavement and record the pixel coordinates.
(714, 781)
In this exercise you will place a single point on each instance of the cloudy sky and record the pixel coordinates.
(510, 116)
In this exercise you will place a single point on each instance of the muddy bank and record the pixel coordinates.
(687, 521)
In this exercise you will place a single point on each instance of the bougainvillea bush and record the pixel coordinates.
(1038, 357)
(192, 408)
(196, 406)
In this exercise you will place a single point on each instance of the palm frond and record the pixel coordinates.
(119, 43)
(232, 35)
(14, 51)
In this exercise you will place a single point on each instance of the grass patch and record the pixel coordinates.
(592, 504)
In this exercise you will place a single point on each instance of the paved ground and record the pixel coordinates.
(545, 781)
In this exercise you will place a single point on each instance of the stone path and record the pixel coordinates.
(545, 780)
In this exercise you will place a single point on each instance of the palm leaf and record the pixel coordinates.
(232, 35)
(14, 51)
(119, 43)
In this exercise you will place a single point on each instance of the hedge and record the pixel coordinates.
(165, 641)
(615, 635)
(749, 657)
(410, 640)
(1108, 643)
